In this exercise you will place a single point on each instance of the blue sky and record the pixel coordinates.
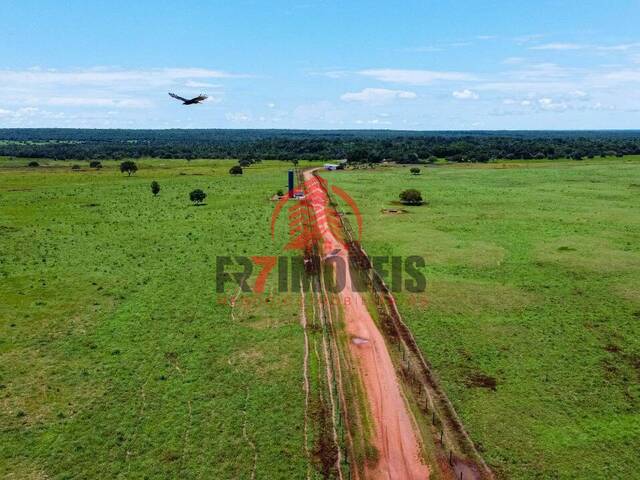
(420, 65)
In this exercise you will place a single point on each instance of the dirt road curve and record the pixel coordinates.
(395, 437)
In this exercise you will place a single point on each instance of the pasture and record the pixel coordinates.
(116, 360)
(533, 315)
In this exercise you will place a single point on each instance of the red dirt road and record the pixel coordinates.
(395, 436)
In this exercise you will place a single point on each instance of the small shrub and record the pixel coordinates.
(411, 197)
(415, 171)
(235, 170)
(95, 164)
(75, 167)
(197, 196)
(34, 164)
(280, 193)
(155, 188)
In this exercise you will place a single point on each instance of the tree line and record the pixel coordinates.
(358, 146)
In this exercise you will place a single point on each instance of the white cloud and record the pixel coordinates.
(271, 105)
(550, 104)
(106, 76)
(465, 94)
(415, 77)
(578, 94)
(513, 60)
(96, 102)
(528, 38)
(377, 95)
(374, 121)
(20, 115)
(334, 74)
(622, 76)
(558, 46)
(238, 117)
(623, 47)
(192, 84)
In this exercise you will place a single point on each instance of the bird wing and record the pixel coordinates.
(199, 98)
(177, 97)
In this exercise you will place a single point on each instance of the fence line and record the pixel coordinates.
(417, 372)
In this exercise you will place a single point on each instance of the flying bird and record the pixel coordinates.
(193, 101)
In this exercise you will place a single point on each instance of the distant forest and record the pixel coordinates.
(358, 146)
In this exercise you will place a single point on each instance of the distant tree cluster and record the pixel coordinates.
(358, 146)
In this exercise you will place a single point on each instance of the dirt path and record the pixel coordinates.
(395, 437)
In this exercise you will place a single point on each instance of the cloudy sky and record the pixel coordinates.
(426, 65)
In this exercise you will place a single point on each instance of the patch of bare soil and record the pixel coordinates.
(394, 211)
(480, 380)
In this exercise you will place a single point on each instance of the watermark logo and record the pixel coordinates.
(311, 216)
(314, 219)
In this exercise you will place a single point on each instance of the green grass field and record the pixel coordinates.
(534, 284)
(115, 359)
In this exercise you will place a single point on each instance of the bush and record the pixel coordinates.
(415, 171)
(197, 196)
(235, 170)
(75, 167)
(95, 164)
(411, 197)
(155, 188)
(129, 167)
(34, 164)
(280, 193)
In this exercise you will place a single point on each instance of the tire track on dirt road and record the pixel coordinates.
(395, 435)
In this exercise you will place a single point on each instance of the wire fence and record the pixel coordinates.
(461, 454)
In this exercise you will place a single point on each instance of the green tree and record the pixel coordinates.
(411, 197)
(235, 170)
(415, 171)
(197, 196)
(95, 164)
(155, 188)
(34, 164)
(128, 167)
